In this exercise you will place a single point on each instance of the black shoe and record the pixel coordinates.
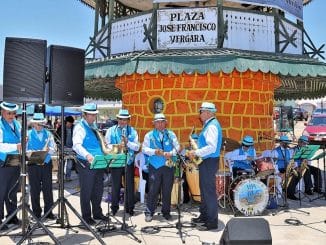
(4, 227)
(51, 216)
(309, 192)
(90, 221)
(293, 197)
(317, 190)
(207, 227)
(113, 212)
(101, 217)
(14, 221)
(167, 216)
(198, 220)
(131, 212)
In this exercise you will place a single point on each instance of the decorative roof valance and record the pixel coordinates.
(203, 61)
(301, 77)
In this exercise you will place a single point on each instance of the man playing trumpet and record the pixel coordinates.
(125, 136)
(160, 145)
(40, 175)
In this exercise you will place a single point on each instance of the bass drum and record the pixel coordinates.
(249, 196)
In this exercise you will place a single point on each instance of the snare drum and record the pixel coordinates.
(265, 166)
(250, 196)
(192, 176)
(223, 180)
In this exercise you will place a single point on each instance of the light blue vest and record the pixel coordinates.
(202, 141)
(116, 138)
(90, 142)
(244, 164)
(35, 144)
(166, 144)
(281, 162)
(9, 136)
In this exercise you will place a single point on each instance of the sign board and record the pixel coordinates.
(187, 28)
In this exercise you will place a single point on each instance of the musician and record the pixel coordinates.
(161, 146)
(10, 138)
(40, 175)
(311, 170)
(241, 159)
(69, 127)
(123, 133)
(282, 154)
(87, 145)
(209, 144)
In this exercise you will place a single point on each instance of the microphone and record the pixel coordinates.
(123, 132)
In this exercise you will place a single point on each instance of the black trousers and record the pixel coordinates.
(91, 190)
(207, 183)
(160, 179)
(8, 189)
(116, 174)
(40, 179)
(316, 173)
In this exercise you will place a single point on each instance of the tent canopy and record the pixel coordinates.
(51, 111)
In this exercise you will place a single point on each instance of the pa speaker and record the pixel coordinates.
(24, 70)
(66, 73)
(246, 231)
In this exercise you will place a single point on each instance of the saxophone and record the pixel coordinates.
(290, 172)
(303, 168)
(193, 145)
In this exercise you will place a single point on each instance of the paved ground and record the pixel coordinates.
(299, 224)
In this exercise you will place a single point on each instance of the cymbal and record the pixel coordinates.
(230, 144)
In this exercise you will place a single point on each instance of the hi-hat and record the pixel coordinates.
(230, 144)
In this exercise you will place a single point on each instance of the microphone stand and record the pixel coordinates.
(179, 224)
(124, 227)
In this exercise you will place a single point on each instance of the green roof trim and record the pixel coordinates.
(204, 61)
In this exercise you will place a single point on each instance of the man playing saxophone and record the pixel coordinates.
(306, 170)
(40, 175)
(160, 145)
(283, 154)
(126, 136)
(87, 145)
(209, 143)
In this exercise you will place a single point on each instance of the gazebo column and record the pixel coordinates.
(244, 101)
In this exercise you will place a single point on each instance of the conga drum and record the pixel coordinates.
(192, 176)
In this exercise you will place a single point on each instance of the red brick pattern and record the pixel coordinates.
(244, 102)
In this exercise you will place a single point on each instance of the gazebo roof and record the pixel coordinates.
(302, 77)
(144, 5)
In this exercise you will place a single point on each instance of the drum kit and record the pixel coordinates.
(245, 193)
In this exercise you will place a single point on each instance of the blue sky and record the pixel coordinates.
(71, 23)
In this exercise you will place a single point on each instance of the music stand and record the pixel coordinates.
(322, 156)
(12, 160)
(37, 157)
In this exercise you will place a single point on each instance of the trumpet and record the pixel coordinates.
(116, 148)
(169, 163)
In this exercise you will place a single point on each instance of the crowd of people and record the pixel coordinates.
(156, 159)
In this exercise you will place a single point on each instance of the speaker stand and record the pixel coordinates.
(26, 230)
(62, 201)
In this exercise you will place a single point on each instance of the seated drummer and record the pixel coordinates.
(241, 159)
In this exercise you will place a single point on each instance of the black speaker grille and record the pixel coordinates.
(67, 67)
(24, 70)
